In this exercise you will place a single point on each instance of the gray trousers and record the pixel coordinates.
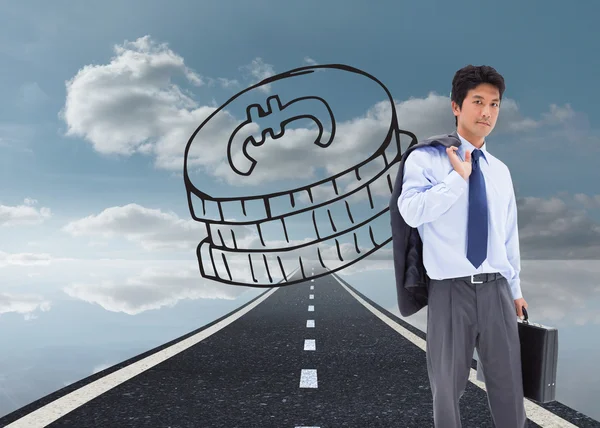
(463, 316)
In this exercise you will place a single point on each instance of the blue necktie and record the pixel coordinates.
(478, 214)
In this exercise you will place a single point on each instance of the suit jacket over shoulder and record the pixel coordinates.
(412, 282)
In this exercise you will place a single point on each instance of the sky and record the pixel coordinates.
(98, 101)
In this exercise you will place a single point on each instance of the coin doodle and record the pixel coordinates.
(342, 219)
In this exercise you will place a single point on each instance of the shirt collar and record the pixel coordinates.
(470, 147)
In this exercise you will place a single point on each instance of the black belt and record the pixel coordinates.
(480, 278)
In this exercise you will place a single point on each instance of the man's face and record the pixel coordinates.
(479, 112)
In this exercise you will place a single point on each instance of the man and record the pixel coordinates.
(462, 202)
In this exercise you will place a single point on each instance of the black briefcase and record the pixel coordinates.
(539, 360)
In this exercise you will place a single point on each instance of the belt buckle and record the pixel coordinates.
(473, 279)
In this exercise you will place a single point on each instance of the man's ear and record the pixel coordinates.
(455, 108)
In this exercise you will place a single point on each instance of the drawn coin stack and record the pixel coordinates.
(345, 221)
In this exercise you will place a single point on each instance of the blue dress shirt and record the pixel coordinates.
(435, 200)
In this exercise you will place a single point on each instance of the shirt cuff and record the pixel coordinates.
(515, 287)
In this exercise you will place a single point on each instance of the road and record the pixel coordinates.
(306, 355)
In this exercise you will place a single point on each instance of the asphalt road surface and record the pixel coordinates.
(305, 355)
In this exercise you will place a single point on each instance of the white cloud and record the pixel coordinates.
(132, 104)
(258, 70)
(25, 304)
(228, 83)
(135, 104)
(560, 114)
(150, 289)
(24, 259)
(25, 214)
(151, 228)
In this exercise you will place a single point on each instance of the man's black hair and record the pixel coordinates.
(470, 77)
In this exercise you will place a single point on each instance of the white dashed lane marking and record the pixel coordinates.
(310, 345)
(308, 378)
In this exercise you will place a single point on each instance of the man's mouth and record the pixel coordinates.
(484, 123)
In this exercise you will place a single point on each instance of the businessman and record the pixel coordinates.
(462, 202)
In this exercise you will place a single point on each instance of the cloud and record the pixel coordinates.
(228, 83)
(558, 227)
(560, 114)
(25, 214)
(133, 105)
(150, 228)
(24, 259)
(118, 285)
(139, 103)
(588, 202)
(25, 304)
(150, 289)
(258, 70)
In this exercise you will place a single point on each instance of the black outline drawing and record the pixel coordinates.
(241, 143)
(241, 139)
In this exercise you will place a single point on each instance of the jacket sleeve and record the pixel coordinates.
(422, 199)
(512, 245)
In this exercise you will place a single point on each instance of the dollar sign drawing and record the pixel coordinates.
(271, 123)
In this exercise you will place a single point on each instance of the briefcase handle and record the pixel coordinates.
(525, 314)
